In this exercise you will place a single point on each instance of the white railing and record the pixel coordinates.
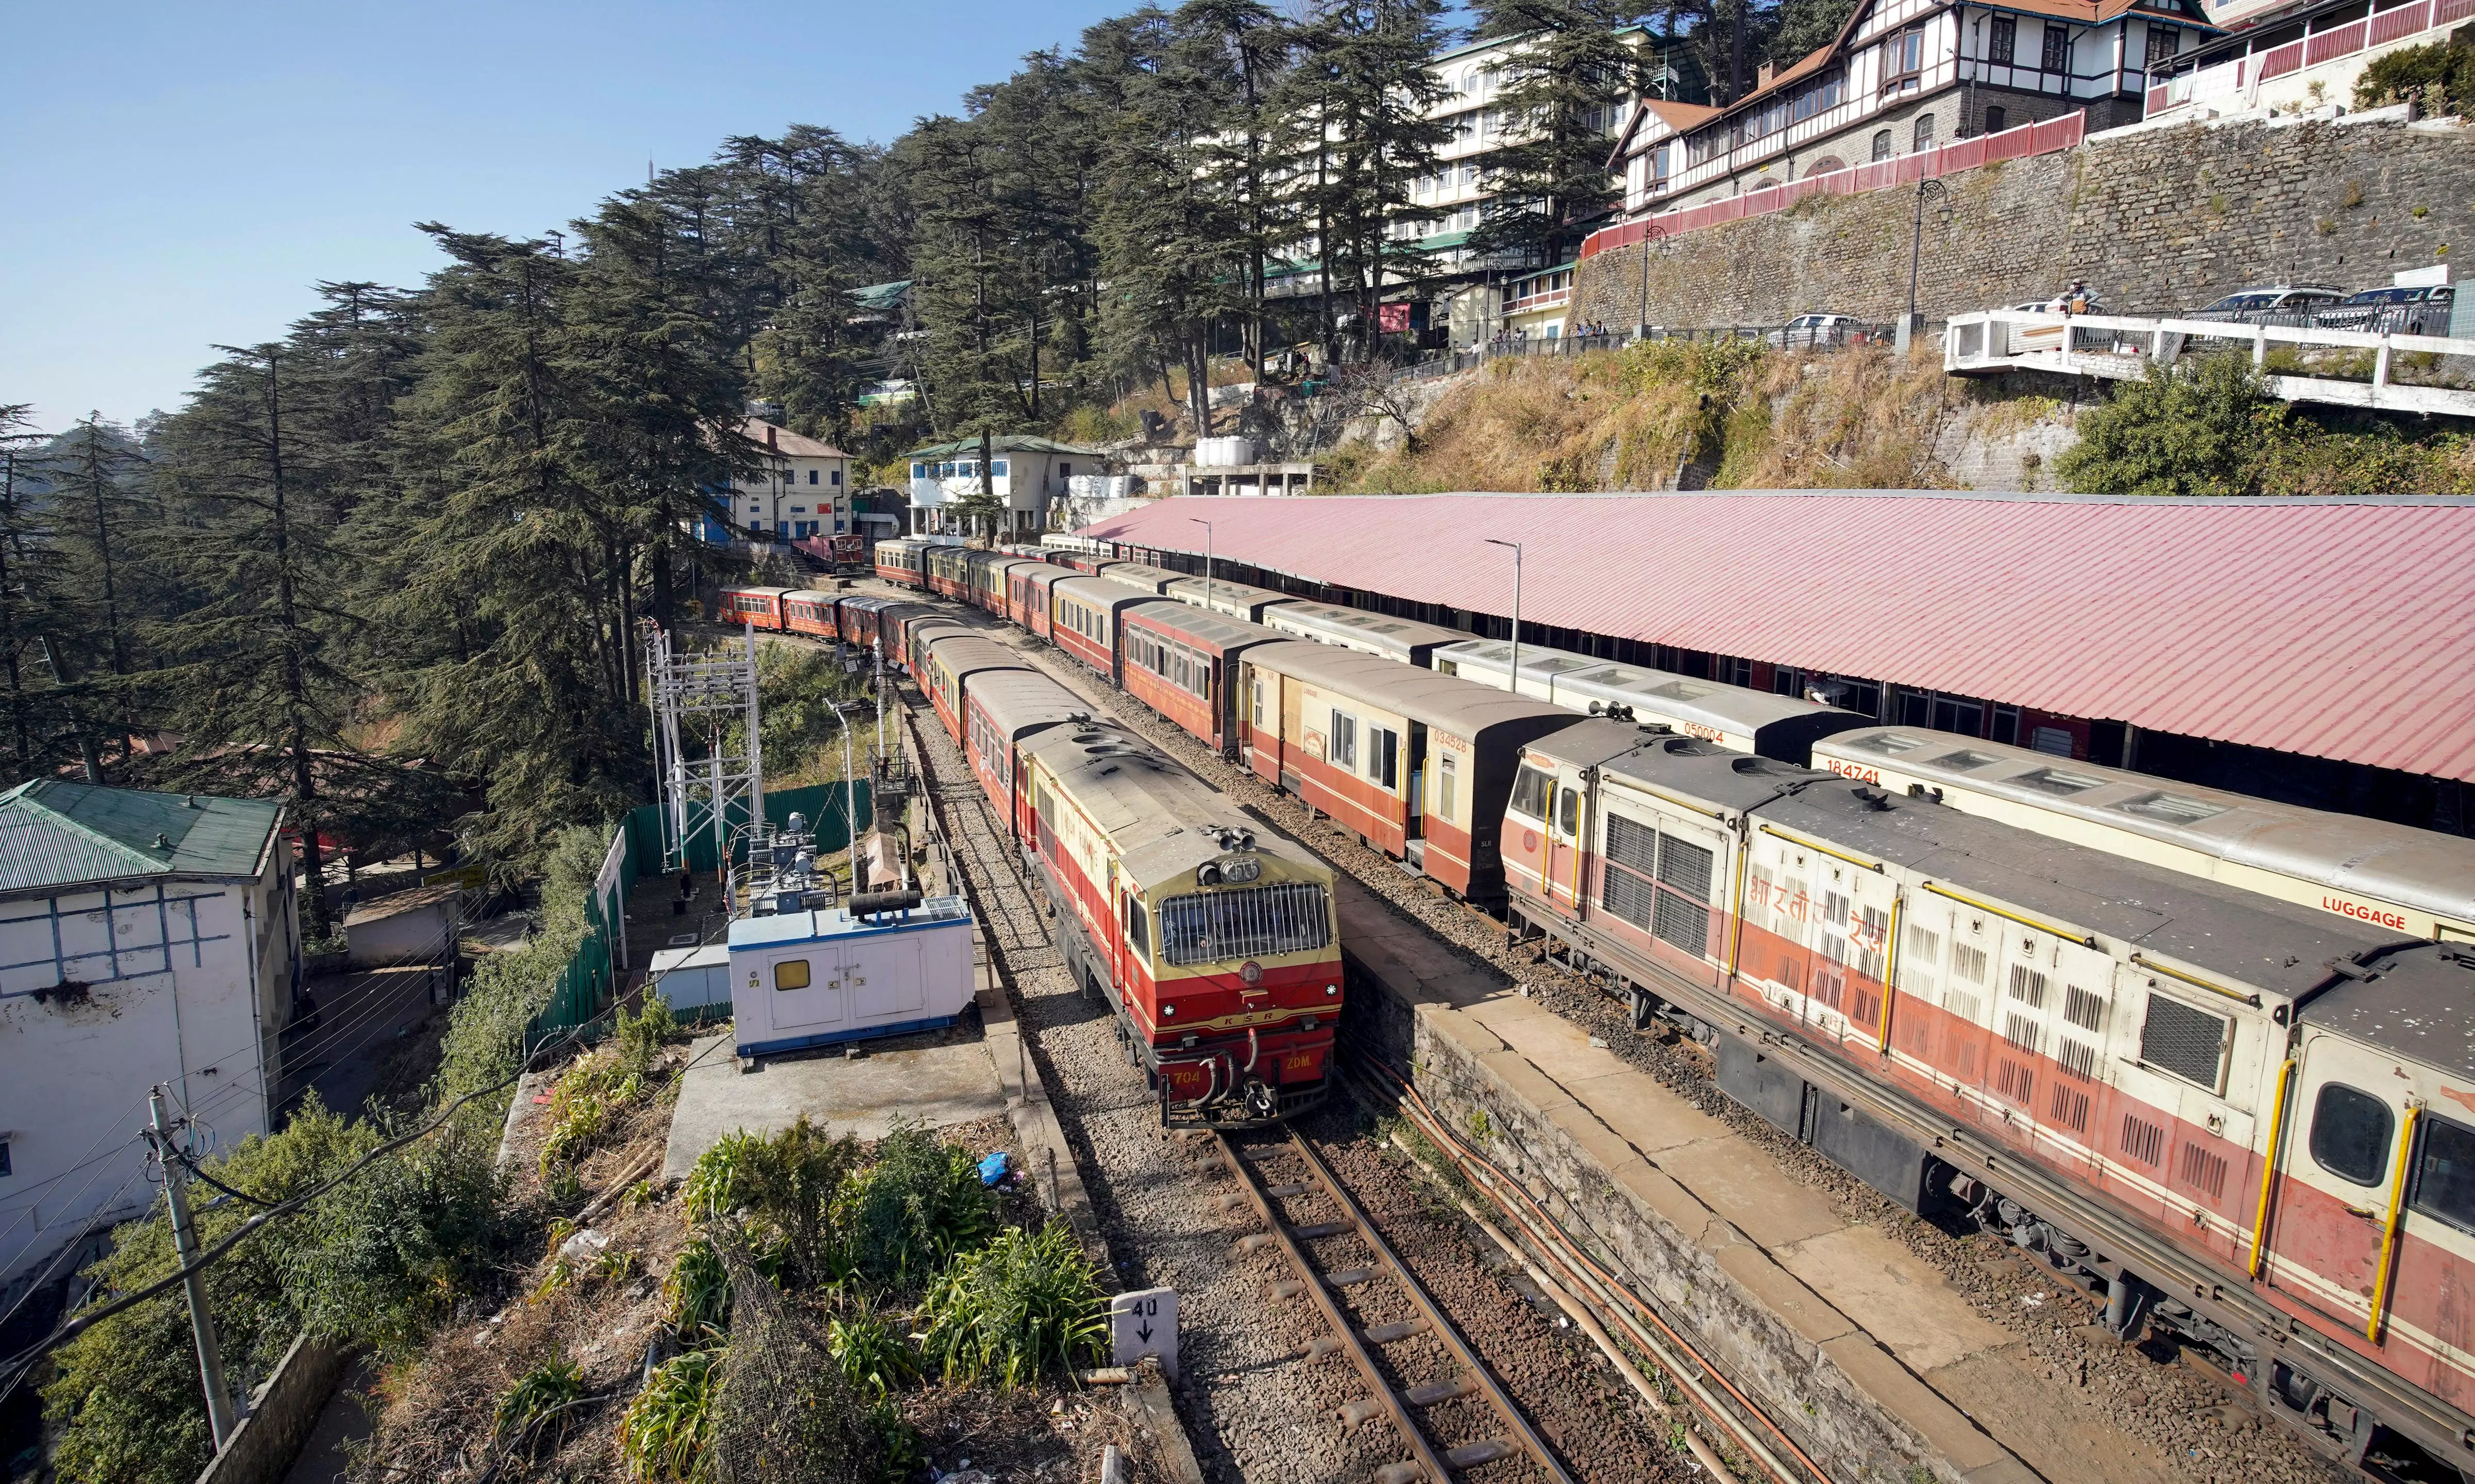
(2120, 348)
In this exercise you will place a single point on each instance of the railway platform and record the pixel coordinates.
(1860, 1350)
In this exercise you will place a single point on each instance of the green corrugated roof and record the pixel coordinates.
(882, 296)
(55, 834)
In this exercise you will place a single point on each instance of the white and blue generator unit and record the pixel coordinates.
(815, 978)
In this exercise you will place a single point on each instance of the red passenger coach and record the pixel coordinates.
(952, 663)
(810, 613)
(902, 562)
(1028, 594)
(1083, 619)
(1001, 709)
(1417, 764)
(1182, 662)
(947, 577)
(760, 606)
(988, 577)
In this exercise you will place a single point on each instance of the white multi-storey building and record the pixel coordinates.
(801, 490)
(144, 938)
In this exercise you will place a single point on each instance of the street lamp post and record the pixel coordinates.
(1516, 608)
(1916, 254)
(1206, 560)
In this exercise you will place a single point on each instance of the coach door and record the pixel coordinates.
(2344, 1184)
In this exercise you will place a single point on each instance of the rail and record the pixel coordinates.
(2326, 365)
(2235, 84)
(1424, 1462)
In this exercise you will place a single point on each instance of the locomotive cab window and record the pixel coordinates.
(1531, 788)
(2350, 1134)
(790, 974)
(1139, 936)
(1568, 810)
(2444, 1173)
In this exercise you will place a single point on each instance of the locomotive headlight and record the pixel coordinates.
(1331, 989)
(1251, 972)
(1168, 1009)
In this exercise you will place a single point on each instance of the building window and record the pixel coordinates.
(1924, 132)
(838, 479)
(1881, 144)
(812, 477)
(997, 466)
(2003, 41)
(2057, 54)
(2162, 42)
(4, 1159)
(1996, 120)
(1903, 59)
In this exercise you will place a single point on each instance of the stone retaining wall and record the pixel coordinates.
(2157, 219)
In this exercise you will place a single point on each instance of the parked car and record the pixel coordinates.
(2277, 304)
(2422, 310)
(1810, 331)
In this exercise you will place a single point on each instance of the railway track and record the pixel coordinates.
(2178, 1407)
(1256, 1407)
(1423, 1434)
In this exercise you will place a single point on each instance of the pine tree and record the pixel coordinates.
(1567, 80)
(1247, 44)
(256, 682)
(101, 521)
(43, 726)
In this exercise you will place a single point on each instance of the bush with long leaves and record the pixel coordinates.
(1027, 1302)
(662, 1432)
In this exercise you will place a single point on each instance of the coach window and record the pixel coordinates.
(1531, 788)
(1139, 936)
(1447, 781)
(1384, 756)
(1257, 686)
(2444, 1173)
(1344, 741)
(2350, 1134)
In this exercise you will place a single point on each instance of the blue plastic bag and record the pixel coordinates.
(993, 1169)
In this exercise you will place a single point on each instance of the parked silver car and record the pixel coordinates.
(1809, 331)
(2276, 304)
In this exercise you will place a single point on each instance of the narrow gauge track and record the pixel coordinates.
(1257, 1405)
(2178, 1407)
(1303, 1243)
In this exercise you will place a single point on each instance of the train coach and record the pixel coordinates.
(2202, 1100)
(902, 561)
(1030, 595)
(1219, 952)
(1219, 595)
(1000, 709)
(1405, 641)
(1784, 727)
(760, 606)
(948, 661)
(2394, 876)
(1182, 662)
(986, 579)
(1083, 621)
(1418, 764)
(811, 613)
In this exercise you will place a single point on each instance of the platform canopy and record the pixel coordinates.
(2339, 629)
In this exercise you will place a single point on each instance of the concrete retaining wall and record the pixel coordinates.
(263, 1447)
(2157, 219)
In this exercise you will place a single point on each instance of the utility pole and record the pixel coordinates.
(185, 1243)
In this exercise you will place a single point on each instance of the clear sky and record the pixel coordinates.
(177, 173)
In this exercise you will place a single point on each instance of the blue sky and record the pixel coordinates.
(178, 175)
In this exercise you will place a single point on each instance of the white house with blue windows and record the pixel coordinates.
(144, 938)
(1024, 474)
(801, 490)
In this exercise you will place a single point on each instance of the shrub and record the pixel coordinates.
(486, 1033)
(537, 1406)
(662, 1432)
(2440, 78)
(2190, 431)
(875, 1355)
(1026, 1303)
(787, 1186)
(921, 1203)
(696, 1293)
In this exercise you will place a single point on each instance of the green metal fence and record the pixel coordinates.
(586, 985)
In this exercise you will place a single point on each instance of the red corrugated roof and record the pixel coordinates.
(2332, 628)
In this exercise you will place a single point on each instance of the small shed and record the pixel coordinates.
(693, 982)
(418, 926)
(815, 978)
